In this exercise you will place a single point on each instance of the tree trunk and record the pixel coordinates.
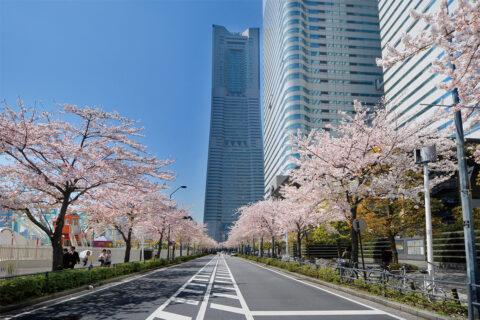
(173, 250)
(307, 249)
(181, 250)
(128, 243)
(159, 250)
(339, 249)
(299, 245)
(188, 250)
(261, 247)
(393, 247)
(273, 246)
(57, 249)
(354, 236)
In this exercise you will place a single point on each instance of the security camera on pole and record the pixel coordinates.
(424, 156)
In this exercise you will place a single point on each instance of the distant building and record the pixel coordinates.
(235, 153)
(318, 57)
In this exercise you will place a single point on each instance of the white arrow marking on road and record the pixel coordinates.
(226, 308)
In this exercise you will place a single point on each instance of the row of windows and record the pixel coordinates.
(331, 54)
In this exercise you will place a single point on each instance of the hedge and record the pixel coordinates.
(449, 308)
(33, 286)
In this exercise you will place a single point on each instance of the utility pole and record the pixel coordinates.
(468, 229)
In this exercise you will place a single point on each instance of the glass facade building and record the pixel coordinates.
(410, 88)
(319, 56)
(235, 153)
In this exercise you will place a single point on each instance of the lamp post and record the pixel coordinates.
(168, 237)
(424, 156)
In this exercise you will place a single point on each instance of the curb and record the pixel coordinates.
(391, 304)
(70, 292)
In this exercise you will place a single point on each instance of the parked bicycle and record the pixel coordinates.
(346, 270)
(430, 288)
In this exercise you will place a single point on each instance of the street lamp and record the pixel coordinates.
(424, 156)
(168, 237)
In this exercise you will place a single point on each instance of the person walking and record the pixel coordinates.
(102, 257)
(87, 261)
(108, 259)
(66, 259)
(74, 257)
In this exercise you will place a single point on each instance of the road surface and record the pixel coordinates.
(212, 287)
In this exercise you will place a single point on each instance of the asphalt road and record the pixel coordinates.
(213, 287)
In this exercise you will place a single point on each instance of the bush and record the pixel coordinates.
(28, 287)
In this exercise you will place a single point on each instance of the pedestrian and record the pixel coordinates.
(74, 258)
(102, 257)
(87, 261)
(66, 259)
(386, 257)
(108, 259)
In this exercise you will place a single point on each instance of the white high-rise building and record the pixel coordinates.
(319, 56)
(410, 88)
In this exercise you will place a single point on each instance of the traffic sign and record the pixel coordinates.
(359, 225)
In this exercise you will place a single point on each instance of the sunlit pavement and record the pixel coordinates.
(213, 287)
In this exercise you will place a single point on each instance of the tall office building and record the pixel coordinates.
(235, 153)
(409, 86)
(319, 56)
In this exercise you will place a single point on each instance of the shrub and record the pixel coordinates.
(18, 289)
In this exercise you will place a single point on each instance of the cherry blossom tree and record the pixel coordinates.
(50, 161)
(354, 159)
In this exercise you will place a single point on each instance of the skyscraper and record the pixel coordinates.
(319, 56)
(235, 153)
(409, 86)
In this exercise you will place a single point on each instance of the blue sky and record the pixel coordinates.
(149, 60)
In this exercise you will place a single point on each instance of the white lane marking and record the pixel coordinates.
(187, 301)
(245, 308)
(192, 291)
(203, 306)
(318, 313)
(226, 308)
(91, 292)
(166, 303)
(201, 280)
(223, 281)
(222, 277)
(224, 287)
(224, 295)
(171, 316)
(325, 290)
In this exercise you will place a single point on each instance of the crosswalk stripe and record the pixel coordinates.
(170, 316)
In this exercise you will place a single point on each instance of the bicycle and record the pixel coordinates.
(346, 270)
(430, 288)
